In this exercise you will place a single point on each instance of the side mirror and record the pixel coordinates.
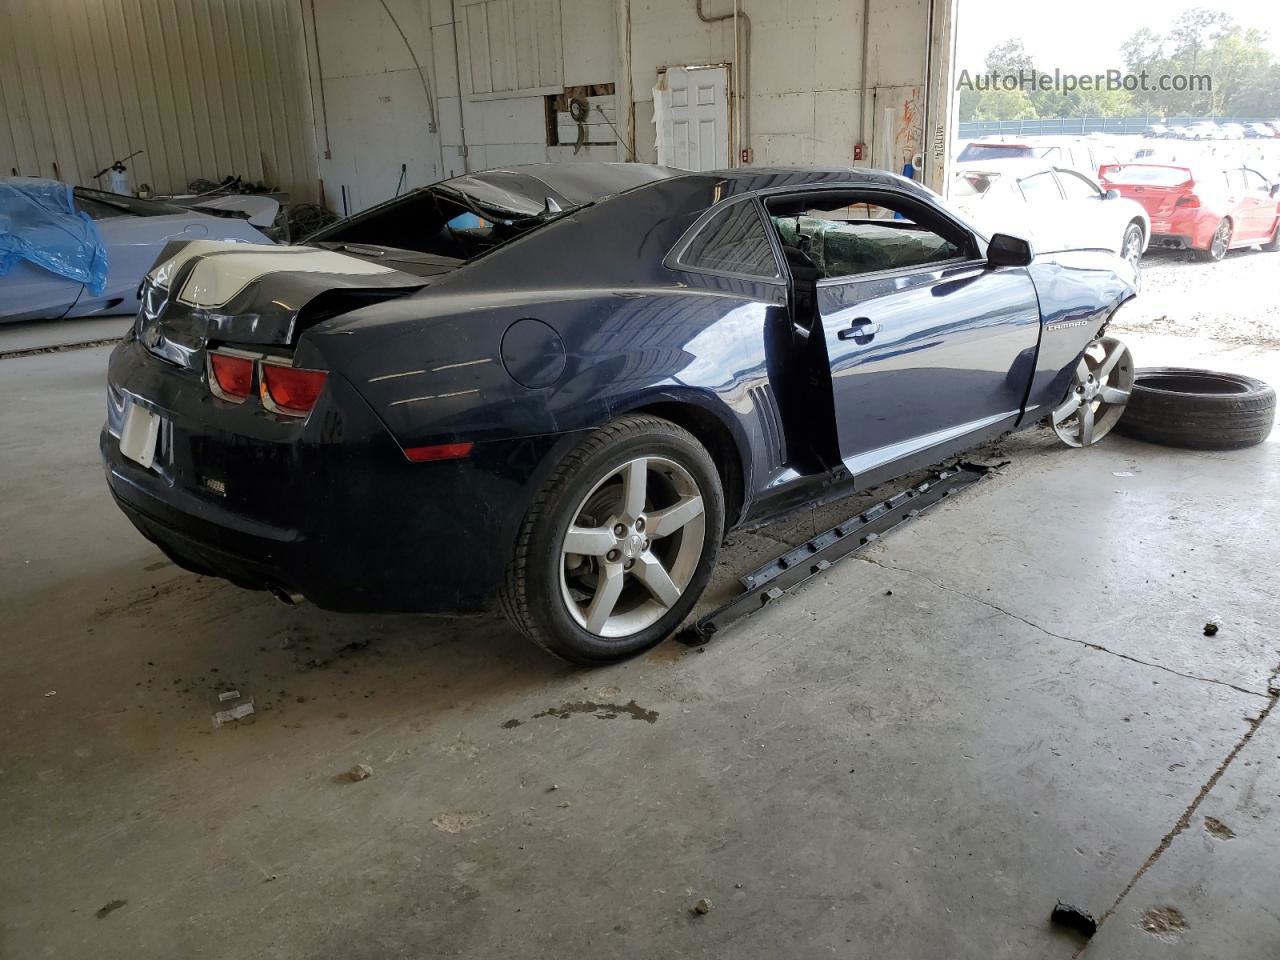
(1275, 189)
(1112, 194)
(1007, 251)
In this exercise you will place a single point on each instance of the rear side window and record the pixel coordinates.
(733, 241)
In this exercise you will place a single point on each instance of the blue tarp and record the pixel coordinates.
(39, 222)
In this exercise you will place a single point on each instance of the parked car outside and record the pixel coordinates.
(566, 400)
(1055, 208)
(133, 233)
(1260, 131)
(1084, 154)
(1203, 130)
(1231, 131)
(1210, 210)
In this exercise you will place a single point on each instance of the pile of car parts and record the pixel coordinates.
(1198, 409)
(800, 565)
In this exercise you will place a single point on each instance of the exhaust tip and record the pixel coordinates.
(289, 598)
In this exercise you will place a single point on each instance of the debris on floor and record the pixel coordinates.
(702, 907)
(1210, 628)
(109, 908)
(1074, 918)
(1218, 828)
(361, 771)
(230, 706)
(1165, 923)
(457, 822)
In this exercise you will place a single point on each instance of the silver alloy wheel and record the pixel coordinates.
(1100, 388)
(1131, 248)
(1221, 240)
(633, 547)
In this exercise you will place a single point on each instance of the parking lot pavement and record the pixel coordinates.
(1235, 301)
(1008, 702)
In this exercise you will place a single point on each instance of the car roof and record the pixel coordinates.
(590, 181)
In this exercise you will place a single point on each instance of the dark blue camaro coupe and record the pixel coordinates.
(558, 386)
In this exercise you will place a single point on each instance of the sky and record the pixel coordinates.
(1084, 36)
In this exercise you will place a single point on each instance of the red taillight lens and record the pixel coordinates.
(1190, 200)
(290, 390)
(440, 451)
(233, 375)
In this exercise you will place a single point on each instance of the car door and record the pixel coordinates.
(929, 351)
(1084, 218)
(1262, 214)
(1046, 226)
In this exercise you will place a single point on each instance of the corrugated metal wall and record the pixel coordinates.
(206, 88)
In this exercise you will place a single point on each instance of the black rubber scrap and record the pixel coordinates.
(1074, 918)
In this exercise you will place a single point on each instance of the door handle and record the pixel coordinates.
(862, 328)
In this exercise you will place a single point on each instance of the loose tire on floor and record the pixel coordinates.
(1198, 409)
(618, 544)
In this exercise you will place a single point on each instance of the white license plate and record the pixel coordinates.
(140, 435)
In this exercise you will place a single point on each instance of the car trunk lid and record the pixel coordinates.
(263, 295)
(1157, 188)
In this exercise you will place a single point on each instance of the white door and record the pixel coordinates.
(694, 123)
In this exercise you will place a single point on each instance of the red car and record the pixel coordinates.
(1209, 210)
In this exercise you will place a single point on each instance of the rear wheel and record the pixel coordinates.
(619, 543)
(1219, 245)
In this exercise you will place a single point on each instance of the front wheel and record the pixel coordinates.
(1131, 245)
(619, 543)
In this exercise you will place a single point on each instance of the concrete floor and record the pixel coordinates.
(1007, 702)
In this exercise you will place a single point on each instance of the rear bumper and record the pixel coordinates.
(333, 511)
(1185, 231)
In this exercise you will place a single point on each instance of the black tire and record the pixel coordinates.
(531, 596)
(1216, 251)
(1198, 409)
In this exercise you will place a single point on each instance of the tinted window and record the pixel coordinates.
(1076, 187)
(842, 238)
(1039, 188)
(733, 241)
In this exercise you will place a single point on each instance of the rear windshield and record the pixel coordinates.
(973, 184)
(445, 221)
(1153, 176)
(994, 151)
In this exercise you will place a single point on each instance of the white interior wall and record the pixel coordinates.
(205, 89)
(804, 83)
(803, 73)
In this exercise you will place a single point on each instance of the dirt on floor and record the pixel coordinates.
(1233, 301)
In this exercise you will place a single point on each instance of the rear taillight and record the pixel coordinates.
(1189, 200)
(290, 390)
(230, 376)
